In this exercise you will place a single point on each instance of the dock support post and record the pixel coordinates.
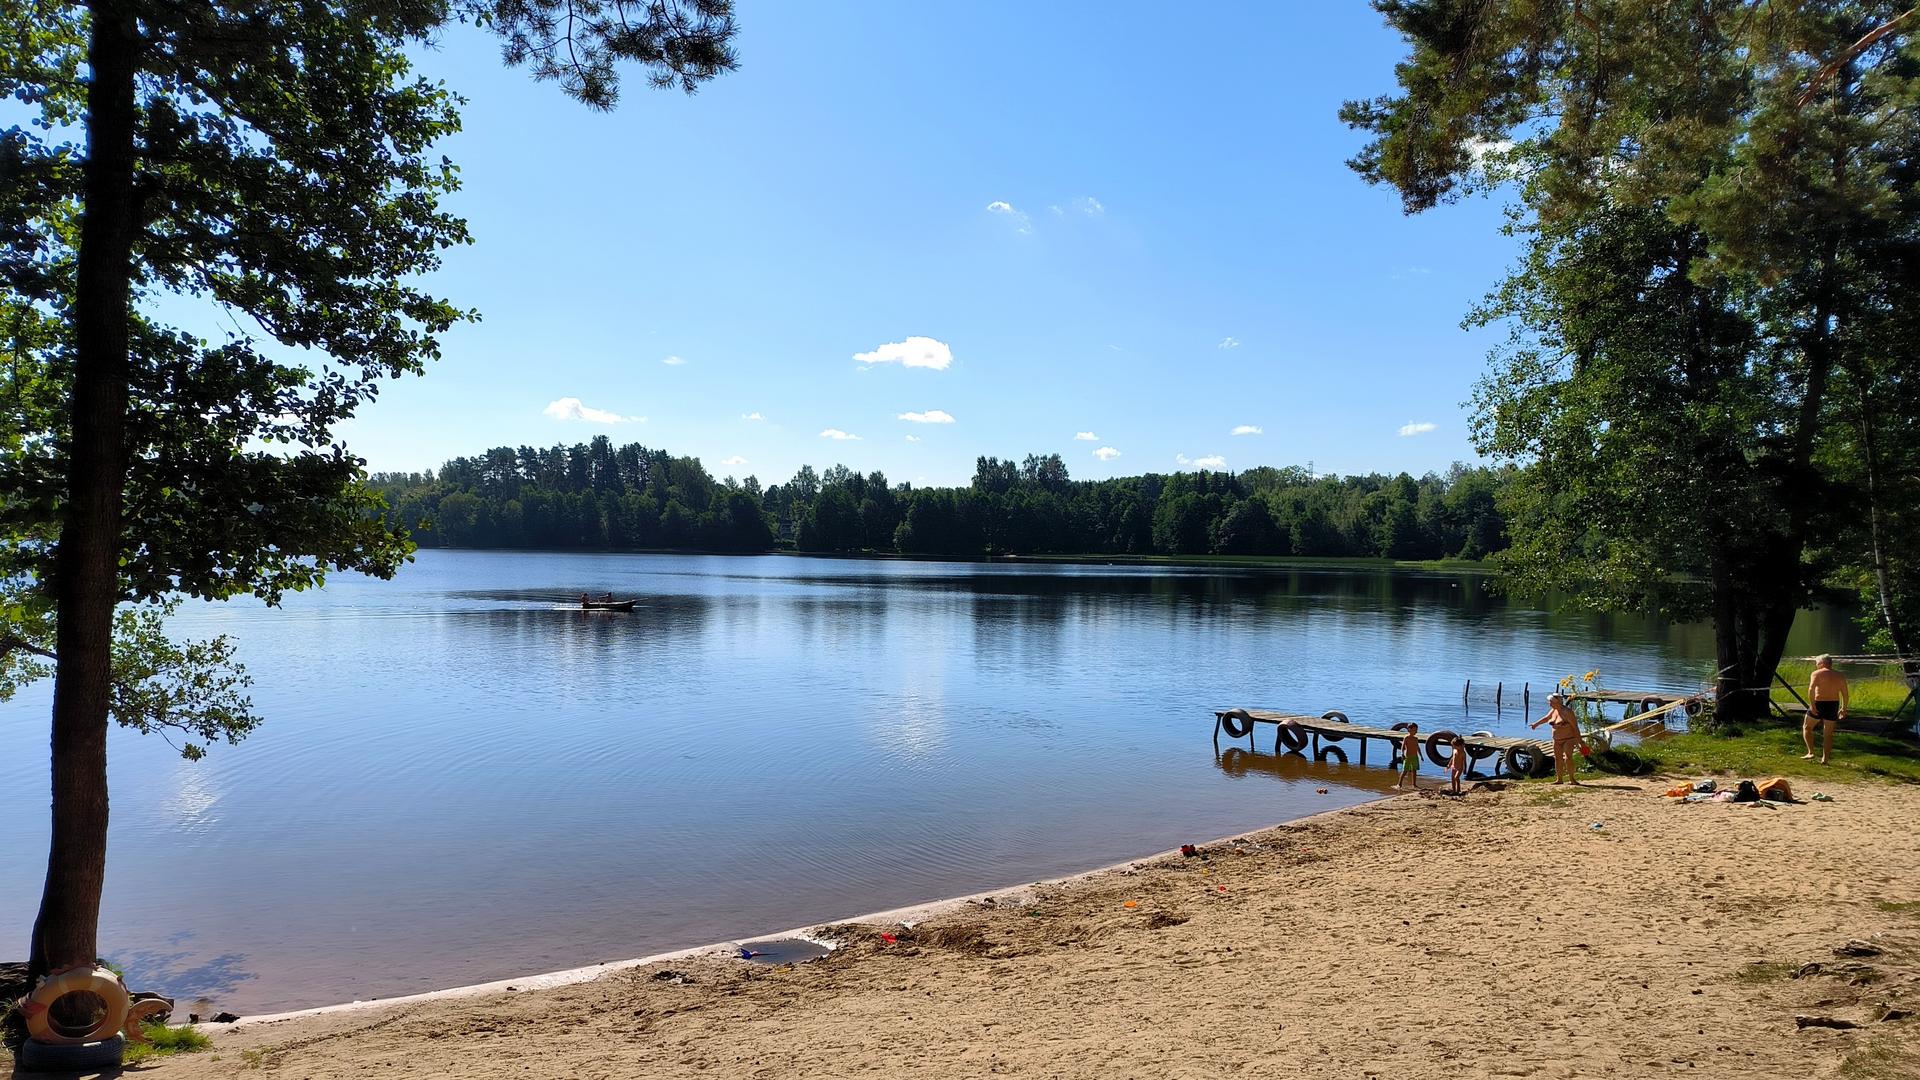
(1498, 688)
(1465, 692)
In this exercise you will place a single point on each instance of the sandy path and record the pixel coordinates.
(1496, 935)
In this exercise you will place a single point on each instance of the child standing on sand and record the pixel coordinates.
(1457, 768)
(1409, 759)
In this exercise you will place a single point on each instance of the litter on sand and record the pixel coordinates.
(1821, 796)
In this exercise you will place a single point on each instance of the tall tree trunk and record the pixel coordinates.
(1876, 531)
(86, 567)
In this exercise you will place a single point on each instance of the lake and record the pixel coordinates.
(463, 778)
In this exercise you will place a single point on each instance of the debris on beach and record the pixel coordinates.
(1804, 1021)
(1856, 947)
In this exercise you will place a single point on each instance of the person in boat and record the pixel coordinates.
(608, 598)
(1827, 697)
(584, 602)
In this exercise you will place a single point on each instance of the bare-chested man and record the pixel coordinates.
(1828, 695)
(1567, 740)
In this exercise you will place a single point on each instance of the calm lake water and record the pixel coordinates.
(462, 779)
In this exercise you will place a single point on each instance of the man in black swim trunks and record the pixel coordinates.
(1828, 695)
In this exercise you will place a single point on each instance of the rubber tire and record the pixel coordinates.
(98, 981)
(36, 1056)
(1294, 737)
(1483, 753)
(1649, 704)
(1338, 717)
(1536, 761)
(1435, 741)
(1228, 721)
(1331, 752)
(1692, 708)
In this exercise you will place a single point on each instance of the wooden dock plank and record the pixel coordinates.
(1334, 728)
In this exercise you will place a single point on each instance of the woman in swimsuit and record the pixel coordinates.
(1566, 738)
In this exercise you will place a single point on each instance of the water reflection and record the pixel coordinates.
(463, 776)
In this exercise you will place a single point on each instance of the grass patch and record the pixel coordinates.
(1873, 691)
(1881, 1059)
(1899, 907)
(163, 1040)
(1775, 751)
(1765, 971)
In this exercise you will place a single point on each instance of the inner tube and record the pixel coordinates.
(1237, 724)
(1333, 752)
(1480, 753)
(1337, 717)
(104, 984)
(1440, 748)
(1295, 737)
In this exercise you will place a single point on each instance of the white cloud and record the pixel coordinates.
(931, 416)
(1228, 343)
(1089, 206)
(1057, 212)
(734, 460)
(1085, 436)
(920, 352)
(837, 435)
(672, 361)
(571, 408)
(1247, 429)
(1022, 223)
(1420, 427)
(913, 438)
(1211, 461)
(751, 416)
(1106, 453)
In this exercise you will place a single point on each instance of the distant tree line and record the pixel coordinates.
(596, 496)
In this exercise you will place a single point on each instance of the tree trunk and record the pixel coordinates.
(1876, 530)
(86, 567)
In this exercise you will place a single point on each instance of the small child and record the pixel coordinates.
(1409, 759)
(1457, 768)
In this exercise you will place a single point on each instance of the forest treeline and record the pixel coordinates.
(596, 496)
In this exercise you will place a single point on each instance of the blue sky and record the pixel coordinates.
(1116, 220)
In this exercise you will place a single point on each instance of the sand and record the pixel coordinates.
(1498, 934)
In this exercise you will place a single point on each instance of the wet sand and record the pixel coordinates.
(1499, 934)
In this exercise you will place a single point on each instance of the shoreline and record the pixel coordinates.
(1523, 930)
(811, 932)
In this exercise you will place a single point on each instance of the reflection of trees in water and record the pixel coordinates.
(179, 976)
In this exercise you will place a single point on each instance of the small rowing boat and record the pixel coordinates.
(608, 605)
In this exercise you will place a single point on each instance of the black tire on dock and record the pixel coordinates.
(1648, 704)
(1481, 753)
(1294, 737)
(1440, 747)
(1338, 717)
(1401, 726)
(1525, 761)
(1692, 708)
(1236, 723)
(1331, 752)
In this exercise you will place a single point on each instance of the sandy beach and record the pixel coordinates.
(1498, 934)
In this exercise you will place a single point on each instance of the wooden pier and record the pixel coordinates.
(1323, 737)
(1641, 700)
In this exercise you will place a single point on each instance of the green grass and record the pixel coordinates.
(1765, 971)
(163, 1040)
(1872, 692)
(1775, 751)
(1899, 907)
(1883, 1058)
